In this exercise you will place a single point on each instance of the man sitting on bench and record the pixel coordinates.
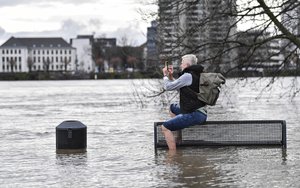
(190, 110)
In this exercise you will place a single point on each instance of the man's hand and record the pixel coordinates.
(168, 71)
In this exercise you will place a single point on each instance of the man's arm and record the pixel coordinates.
(184, 80)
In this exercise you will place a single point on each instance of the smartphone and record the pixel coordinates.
(167, 64)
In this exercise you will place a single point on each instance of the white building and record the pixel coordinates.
(37, 54)
(83, 45)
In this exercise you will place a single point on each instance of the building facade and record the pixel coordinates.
(37, 54)
(290, 20)
(266, 57)
(83, 45)
(198, 27)
(152, 58)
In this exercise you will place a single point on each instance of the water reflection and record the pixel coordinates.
(78, 159)
(71, 169)
(218, 166)
(284, 157)
(188, 167)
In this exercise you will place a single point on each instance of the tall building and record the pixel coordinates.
(152, 59)
(83, 45)
(37, 54)
(199, 27)
(290, 19)
(265, 57)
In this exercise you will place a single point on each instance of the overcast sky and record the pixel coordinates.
(68, 18)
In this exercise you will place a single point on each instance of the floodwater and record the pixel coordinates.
(120, 151)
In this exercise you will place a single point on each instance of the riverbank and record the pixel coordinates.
(130, 75)
(76, 76)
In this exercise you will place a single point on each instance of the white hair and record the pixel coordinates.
(191, 59)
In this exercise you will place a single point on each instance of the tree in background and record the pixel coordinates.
(46, 64)
(100, 64)
(132, 57)
(30, 63)
(96, 56)
(116, 63)
(12, 62)
(66, 62)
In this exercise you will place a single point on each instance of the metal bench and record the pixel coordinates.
(227, 133)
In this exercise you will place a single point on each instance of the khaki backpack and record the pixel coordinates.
(209, 87)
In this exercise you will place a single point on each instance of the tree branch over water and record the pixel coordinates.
(262, 38)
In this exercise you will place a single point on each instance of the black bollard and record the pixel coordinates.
(71, 137)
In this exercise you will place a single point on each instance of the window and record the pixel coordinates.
(60, 51)
(70, 52)
(33, 51)
(20, 59)
(19, 51)
(20, 67)
(34, 59)
(3, 59)
(38, 51)
(56, 59)
(3, 51)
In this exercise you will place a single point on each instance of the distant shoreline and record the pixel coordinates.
(128, 75)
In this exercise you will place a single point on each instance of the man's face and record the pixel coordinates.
(184, 64)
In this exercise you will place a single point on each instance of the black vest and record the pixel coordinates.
(188, 99)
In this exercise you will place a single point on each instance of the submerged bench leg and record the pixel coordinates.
(179, 138)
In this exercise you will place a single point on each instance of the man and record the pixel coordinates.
(190, 110)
